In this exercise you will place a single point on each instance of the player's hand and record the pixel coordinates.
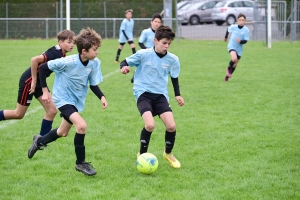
(125, 70)
(104, 102)
(46, 97)
(179, 100)
(225, 39)
(32, 88)
(238, 40)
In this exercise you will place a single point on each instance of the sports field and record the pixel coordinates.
(235, 140)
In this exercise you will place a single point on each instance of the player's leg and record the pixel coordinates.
(23, 101)
(132, 46)
(81, 127)
(49, 116)
(230, 69)
(145, 109)
(166, 115)
(119, 52)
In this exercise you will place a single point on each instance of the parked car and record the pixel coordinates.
(181, 4)
(196, 12)
(227, 11)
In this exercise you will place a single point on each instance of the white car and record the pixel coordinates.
(196, 13)
(227, 11)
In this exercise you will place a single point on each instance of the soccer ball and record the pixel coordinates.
(147, 163)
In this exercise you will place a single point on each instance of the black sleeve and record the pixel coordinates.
(96, 90)
(142, 45)
(243, 41)
(123, 64)
(123, 31)
(175, 86)
(43, 71)
(226, 34)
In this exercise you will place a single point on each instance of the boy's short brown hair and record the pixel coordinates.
(65, 34)
(86, 39)
(129, 10)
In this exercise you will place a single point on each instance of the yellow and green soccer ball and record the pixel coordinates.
(147, 163)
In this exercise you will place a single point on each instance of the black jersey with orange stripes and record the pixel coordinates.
(24, 98)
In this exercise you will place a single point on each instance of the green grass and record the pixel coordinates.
(235, 140)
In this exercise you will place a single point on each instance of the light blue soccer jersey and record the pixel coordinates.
(127, 26)
(152, 72)
(72, 79)
(236, 32)
(147, 37)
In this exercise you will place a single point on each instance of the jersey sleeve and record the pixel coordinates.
(52, 55)
(134, 60)
(123, 25)
(143, 37)
(231, 28)
(95, 76)
(175, 68)
(57, 65)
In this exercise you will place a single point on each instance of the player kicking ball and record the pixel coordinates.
(153, 66)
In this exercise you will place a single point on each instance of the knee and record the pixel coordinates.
(19, 115)
(81, 128)
(171, 127)
(149, 127)
(52, 112)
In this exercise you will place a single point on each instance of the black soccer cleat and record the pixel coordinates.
(86, 168)
(34, 147)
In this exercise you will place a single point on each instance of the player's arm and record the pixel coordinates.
(142, 45)
(43, 71)
(243, 41)
(34, 66)
(175, 83)
(127, 38)
(97, 91)
(124, 67)
(226, 35)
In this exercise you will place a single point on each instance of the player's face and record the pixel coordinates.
(241, 21)
(128, 15)
(155, 23)
(162, 45)
(91, 54)
(66, 45)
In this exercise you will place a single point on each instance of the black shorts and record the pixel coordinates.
(66, 111)
(24, 98)
(238, 57)
(156, 103)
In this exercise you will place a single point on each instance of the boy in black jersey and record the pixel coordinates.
(29, 84)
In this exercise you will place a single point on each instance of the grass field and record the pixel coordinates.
(235, 140)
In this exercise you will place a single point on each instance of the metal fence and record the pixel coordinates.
(285, 22)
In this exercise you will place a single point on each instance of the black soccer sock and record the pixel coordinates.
(170, 141)
(145, 140)
(79, 147)
(133, 50)
(232, 70)
(230, 66)
(46, 127)
(49, 137)
(118, 54)
(2, 115)
(231, 63)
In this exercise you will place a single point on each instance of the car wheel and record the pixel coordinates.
(219, 23)
(194, 20)
(230, 20)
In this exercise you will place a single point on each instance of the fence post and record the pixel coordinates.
(47, 28)
(114, 28)
(7, 20)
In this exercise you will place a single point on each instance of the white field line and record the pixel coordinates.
(8, 123)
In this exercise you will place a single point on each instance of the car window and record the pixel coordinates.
(209, 4)
(186, 6)
(236, 4)
(220, 4)
(248, 4)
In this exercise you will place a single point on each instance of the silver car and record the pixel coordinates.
(227, 11)
(195, 13)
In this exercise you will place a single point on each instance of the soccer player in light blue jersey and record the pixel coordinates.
(73, 74)
(239, 37)
(153, 66)
(146, 39)
(126, 33)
